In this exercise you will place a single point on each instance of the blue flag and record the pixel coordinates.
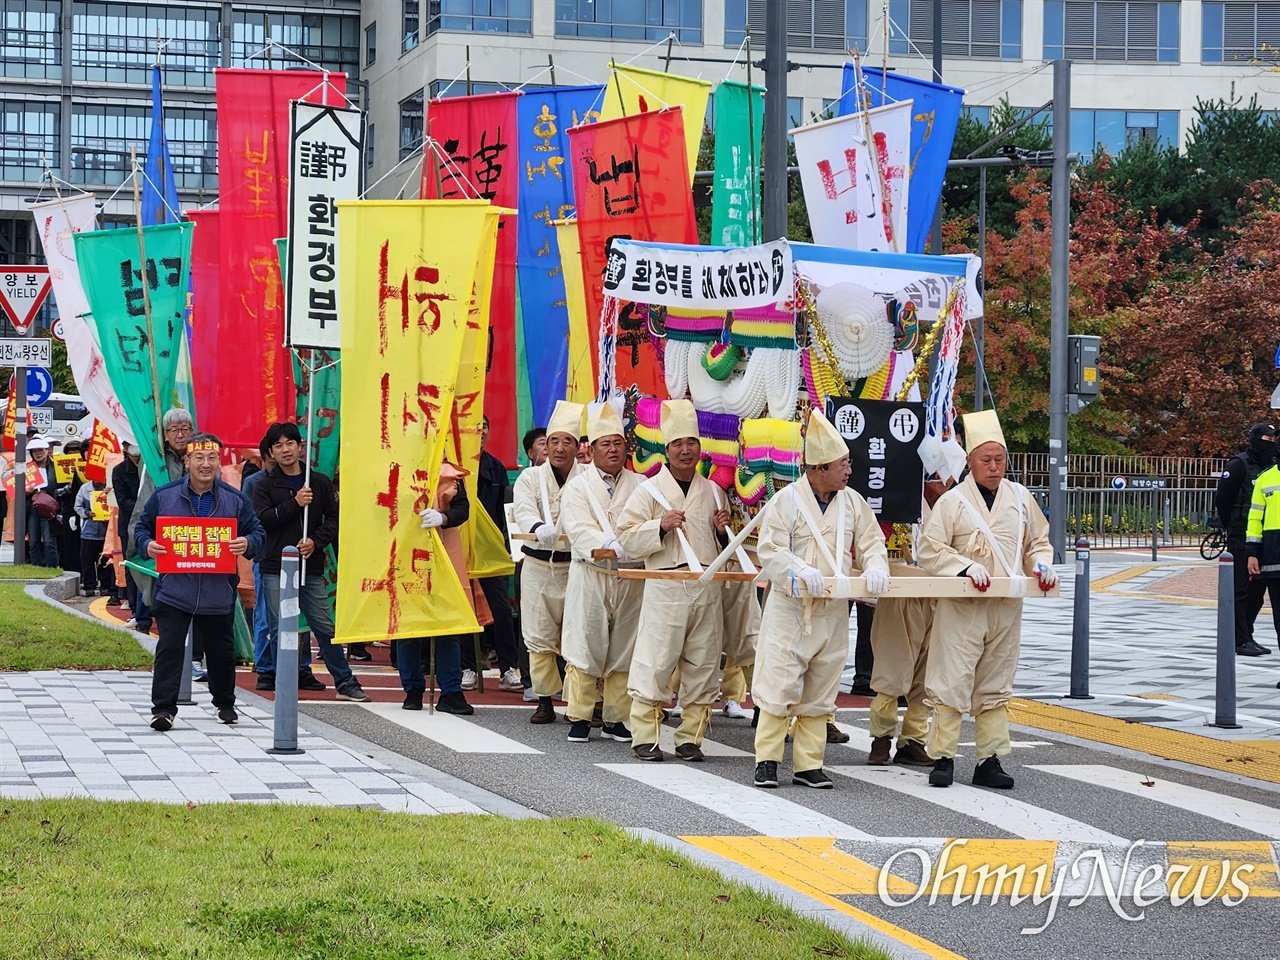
(934, 116)
(159, 195)
(546, 194)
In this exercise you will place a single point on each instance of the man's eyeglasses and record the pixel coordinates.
(180, 429)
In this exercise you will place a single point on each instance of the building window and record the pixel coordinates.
(370, 44)
(970, 28)
(410, 125)
(116, 43)
(1236, 31)
(811, 24)
(102, 135)
(445, 88)
(1111, 30)
(331, 41)
(30, 39)
(409, 32)
(368, 146)
(981, 114)
(28, 133)
(481, 16)
(630, 19)
(1113, 130)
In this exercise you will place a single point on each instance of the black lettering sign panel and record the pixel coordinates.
(884, 441)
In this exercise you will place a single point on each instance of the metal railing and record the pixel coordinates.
(1109, 518)
(1095, 471)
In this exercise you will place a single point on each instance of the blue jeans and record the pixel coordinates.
(265, 637)
(409, 654)
(313, 599)
(42, 540)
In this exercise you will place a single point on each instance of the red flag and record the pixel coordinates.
(11, 416)
(102, 444)
(630, 179)
(253, 180)
(478, 135)
(211, 391)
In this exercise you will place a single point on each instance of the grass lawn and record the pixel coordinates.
(37, 636)
(25, 571)
(80, 878)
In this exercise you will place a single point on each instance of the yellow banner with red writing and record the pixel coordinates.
(633, 90)
(580, 385)
(407, 270)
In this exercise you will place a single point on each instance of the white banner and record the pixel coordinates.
(856, 195)
(325, 166)
(56, 221)
(699, 278)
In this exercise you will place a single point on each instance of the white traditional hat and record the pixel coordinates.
(822, 441)
(603, 421)
(980, 428)
(566, 418)
(857, 326)
(679, 420)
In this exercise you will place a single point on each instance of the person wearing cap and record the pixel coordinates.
(544, 572)
(42, 532)
(812, 530)
(69, 531)
(675, 520)
(601, 610)
(984, 526)
(1235, 494)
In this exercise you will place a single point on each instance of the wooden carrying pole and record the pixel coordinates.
(907, 581)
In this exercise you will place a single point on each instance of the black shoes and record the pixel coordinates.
(616, 731)
(1251, 649)
(690, 752)
(766, 774)
(647, 751)
(228, 715)
(308, 681)
(813, 778)
(580, 731)
(455, 703)
(943, 772)
(412, 700)
(353, 692)
(162, 722)
(989, 773)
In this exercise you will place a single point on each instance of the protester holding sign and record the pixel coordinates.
(95, 577)
(201, 602)
(42, 509)
(68, 476)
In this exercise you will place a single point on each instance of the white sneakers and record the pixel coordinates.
(733, 710)
(510, 680)
(469, 679)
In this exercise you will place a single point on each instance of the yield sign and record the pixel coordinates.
(22, 291)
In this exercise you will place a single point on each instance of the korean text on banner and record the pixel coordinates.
(208, 379)
(580, 386)
(141, 357)
(735, 197)
(56, 222)
(407, 273)
(546, 195)
(253, 174)
(478, 139)
(883, 437)
(325, 166)
(856, 194)
(196, 544)
(700, 278)
(634, 90)
(103, 444)
(626, 185)
(33, 477)
(11, 416)
(934, 117)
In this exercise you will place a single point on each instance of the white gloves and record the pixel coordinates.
(812, 581)
(616, 547)
(877, 581)
(979, 575)
(1047, 575)
(547, 536)
(431, 518)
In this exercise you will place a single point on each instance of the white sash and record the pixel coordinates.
(1018, 584)
(545, 492)
(815, 530)
(602, 518)
(690, 558)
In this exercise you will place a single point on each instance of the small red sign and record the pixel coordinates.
(196, 544)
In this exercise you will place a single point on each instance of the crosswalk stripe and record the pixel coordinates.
(760, 810)
(1244, 814)
(998, 809)
(667, 741)
(860, 739)
(459, 735)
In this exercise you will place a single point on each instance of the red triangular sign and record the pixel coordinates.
(22, 291)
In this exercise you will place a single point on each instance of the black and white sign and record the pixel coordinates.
(41, 419)
(884, 439)
(700, 278)
(1148, 483)
(325, 166)
(15, 352)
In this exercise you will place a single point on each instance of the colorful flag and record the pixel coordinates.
(634, 90)
(478, 139)
(127, 277)
(103, 444)
(208, 387)
(546, 195)
(580, 386)
(408, 270)
(628, 183)
(254, 373)
(934, 116)
(855, 178)
(735, 195)
(56, 222)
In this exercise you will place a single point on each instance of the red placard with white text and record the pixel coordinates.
(196, 544)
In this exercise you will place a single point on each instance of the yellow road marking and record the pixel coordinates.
(801, 863)
(1259, 759)
(1223, 867)
(1128, 573)
(995, 868)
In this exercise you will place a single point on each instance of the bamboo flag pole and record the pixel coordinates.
(146, 300)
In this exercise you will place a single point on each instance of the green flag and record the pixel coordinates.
(142, 371)
(735, 196)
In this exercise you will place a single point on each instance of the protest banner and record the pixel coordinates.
(580, 384)
(66, 466)
(99, 508)
(635, 90)
(407, 274)
(34, 477)
(700, 278)
(103, 444)
(883, 437)
(196, 544)
(735, 196)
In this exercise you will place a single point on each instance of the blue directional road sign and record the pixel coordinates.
(39, 386)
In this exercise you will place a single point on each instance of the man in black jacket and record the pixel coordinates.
(1235, 492)
(280, 501)
(124, 484)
